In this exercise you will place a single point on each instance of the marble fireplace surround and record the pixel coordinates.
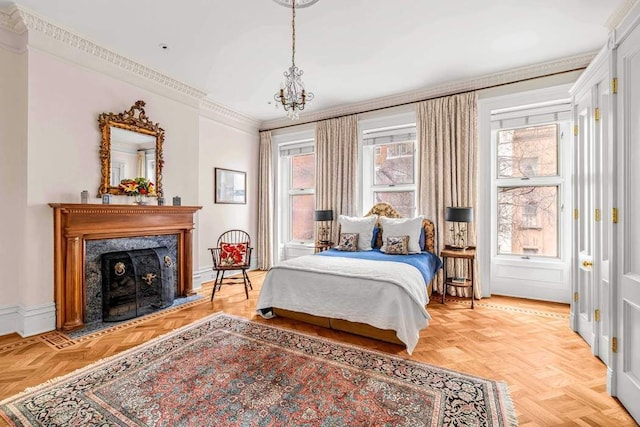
(74, 224)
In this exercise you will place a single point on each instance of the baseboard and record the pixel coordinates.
(27, 321)
(201, 276)
(207, 274)
(611, 382)
(8, 320)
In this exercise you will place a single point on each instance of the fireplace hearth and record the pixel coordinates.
(136, 282)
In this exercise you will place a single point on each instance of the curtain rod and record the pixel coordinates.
(429, 98)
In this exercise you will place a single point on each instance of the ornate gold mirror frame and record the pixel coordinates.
(134, 120)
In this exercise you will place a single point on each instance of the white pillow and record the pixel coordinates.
(402, 227)
(361, 225)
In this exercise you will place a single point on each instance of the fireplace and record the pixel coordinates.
(135, 283)
(76, 225)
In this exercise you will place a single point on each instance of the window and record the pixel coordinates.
(526, 215)
(528, 152)
(297, 165)
(301, 196)
(528, 185)
(389, 168)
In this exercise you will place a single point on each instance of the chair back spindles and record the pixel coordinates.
(240, 259)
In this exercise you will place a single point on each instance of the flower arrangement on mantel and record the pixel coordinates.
(138, 187)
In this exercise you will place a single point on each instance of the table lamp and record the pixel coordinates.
(324, 230)
(461, 215)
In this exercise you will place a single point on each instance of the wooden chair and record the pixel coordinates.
(232, 253)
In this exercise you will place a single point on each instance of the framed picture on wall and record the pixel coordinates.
(230, 186)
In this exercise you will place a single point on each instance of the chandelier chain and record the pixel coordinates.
(293, 33)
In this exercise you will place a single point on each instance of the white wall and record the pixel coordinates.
(225, 147)
(13, 177)
(50, 153)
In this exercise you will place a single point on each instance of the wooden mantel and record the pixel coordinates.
(73, 224)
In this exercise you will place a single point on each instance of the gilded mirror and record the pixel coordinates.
(131, 147)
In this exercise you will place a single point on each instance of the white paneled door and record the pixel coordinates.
(603, 199)
(583, 295)
(627, 366)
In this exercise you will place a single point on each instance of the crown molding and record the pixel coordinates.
(13, 32)
(11, 20)
(62, 35)
(228, 116)
(19, 21)
(627, 24)
(571, 63)
(619, 14)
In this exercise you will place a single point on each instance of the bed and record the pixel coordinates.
(367, 293)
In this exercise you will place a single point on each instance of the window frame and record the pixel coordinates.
(286, 185)
(296, 191)
(368, 167)
(560, 181)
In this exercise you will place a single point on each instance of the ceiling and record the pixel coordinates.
(350, 50)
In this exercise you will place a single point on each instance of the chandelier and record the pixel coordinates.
(292, 94)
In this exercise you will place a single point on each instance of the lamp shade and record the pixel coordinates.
(463, 214)
(326, 215)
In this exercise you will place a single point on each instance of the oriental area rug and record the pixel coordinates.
(225, 370)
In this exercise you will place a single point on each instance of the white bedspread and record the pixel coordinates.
(387, 295)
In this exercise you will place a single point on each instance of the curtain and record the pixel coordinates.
(264, 247)
(336, 167)
(448, 141)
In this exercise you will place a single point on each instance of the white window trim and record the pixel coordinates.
(284, 249)
(549, 279)
(287, 238)
(559, 181)
(366, 160)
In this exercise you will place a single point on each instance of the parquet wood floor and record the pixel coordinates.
(553, 378)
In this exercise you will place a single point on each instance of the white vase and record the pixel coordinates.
(140, 199)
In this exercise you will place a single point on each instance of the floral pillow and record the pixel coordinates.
(232, 254)
(348, 242)
(397, 245)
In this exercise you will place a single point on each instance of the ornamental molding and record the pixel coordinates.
(120, 210)
(228, 116)
(62, 35)
(626, 20)
(18, 20)
(618, 15)
(572, 63)
(11, 20)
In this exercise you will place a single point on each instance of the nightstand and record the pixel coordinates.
(323, 246)
(469, 255)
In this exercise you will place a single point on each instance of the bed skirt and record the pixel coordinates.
(362, 329)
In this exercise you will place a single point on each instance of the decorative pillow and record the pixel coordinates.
(374, 238)
(348, 242)
(376, 242)
(397, 245)
(232, 254)
(403, 227)
(363, 226)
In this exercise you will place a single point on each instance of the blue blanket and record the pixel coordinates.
(426, 262)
